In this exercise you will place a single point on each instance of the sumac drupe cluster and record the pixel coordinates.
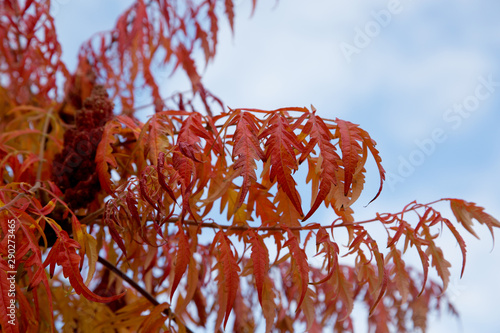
(73, 169)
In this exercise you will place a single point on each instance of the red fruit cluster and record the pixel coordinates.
(73, 169)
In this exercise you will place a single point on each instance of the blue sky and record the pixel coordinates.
(419, 67)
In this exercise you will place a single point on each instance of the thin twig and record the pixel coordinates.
(278, 227)
(141, 290)
(45, 130)
(92, 216)
(152, 104)
(41, 152)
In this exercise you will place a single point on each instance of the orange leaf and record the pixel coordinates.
(161, 177)
(280, 146)
(288, 214)
(203, 37)
(191, 133)
(181, 259)
(402, 227)
(466, 211)
(438, 261)
(63, 253)
(331, 251)
(423, 256)
(246, 149)
(300, 258)
(104, 155)
(382, 272)
(370, 143)
(155, 320)
(260, 261)
(321, 135)
(460, 241)
(188, 64)
(348, 134)
(264, 208)
(228, 275)
(230, 12)
(268, 305)
(344, 292)
(401, 276)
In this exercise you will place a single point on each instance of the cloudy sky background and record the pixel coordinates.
(403, 84)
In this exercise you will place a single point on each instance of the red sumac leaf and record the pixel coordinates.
(230, 12)
(466, 211)
(281, 145)
(330, 250)
(246, 150)
(321, 135)
(161, 177)
(460, 241)
(181, 260)
(104, 155)
(370, 143)
(63, 253)
(300, 258)
(230, 269)
(348, 134)
(260, 260)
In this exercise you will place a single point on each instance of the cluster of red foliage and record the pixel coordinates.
(73, 169)
(153, 220)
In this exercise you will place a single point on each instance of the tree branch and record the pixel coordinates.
(141, 290)
(92, 216)
(310, 226)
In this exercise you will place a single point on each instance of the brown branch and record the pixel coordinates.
(311, 226)
(92, 216)
(278, 227)
(141, 290)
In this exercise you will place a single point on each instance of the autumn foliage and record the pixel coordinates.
(192, 219)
